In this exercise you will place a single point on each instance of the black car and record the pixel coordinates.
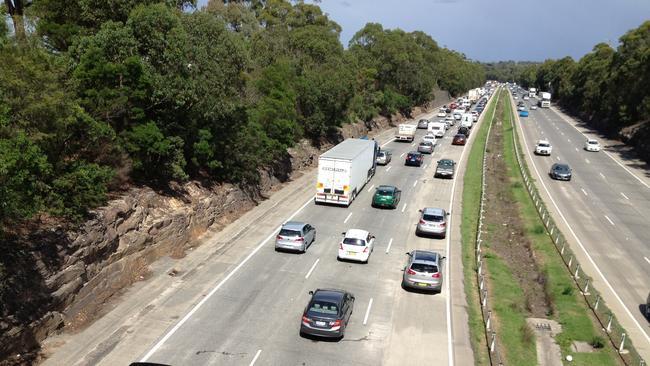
(463, 131)
(560, 171)
(414, 158)
(327, 314)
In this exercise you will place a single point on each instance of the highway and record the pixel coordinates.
(605, 208)
(242, 303)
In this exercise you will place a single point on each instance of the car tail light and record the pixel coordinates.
(336, 323)
(365, 250)
(436, 275)
(410, 271)
(340, 246)
(422, 222)
(278, 237)
(299, 239)
(443, 224)
(305, 319)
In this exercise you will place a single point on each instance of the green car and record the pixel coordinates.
(386, 196)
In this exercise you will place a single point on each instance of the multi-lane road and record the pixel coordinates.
(242, 303)
(604, 209)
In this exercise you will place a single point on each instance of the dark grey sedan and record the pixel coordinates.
(327, 314)
(560, 171)
(445, 169)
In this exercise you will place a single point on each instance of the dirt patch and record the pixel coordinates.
(507, 235)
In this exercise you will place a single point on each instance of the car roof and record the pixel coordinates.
(356, 234)
(425, 256)
(433, 211)
(328, 294)
(293, 225)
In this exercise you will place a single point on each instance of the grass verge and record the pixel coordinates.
(470, 214)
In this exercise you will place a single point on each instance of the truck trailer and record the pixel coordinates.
(344, 169)
(405, 132)
(545, 100)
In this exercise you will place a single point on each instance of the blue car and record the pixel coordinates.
(523, 113)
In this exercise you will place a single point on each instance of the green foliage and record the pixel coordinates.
(80, 188)
(23, 173)
(155, 156)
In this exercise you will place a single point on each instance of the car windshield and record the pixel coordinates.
(430, 217)
(352, 241)
(320, 308)
(424, 268)
(385, 191)
(287, 232)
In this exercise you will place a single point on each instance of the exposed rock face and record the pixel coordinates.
(74, 273)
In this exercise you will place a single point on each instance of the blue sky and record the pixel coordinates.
(494, 30)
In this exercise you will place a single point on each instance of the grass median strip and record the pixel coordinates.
(470, 215)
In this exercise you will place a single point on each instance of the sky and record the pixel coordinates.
(498, 30)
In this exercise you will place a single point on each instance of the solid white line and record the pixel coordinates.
(255, 358)
(401, 156)
(365, 318)
(623, 194)
(608, 219)
(582, 247)
(404, 207)
(312, 268)
(387, 142)
(347, 218)
(601, 174)
(390, 242)
(415, 183)
(218, 286)
(371, 187)
(387, 169)
(608, 154)
(583, 191)
(646, 259)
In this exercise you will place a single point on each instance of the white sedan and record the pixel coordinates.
(430, 137)
(357, 245)
(442, 114)
(592, 145)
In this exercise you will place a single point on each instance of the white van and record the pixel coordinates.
(438, 129)
(467, 120)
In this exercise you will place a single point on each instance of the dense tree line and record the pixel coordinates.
(96, 94)
(608, 87)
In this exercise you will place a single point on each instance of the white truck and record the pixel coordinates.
(438, 129)
(474, 95)
(405, 132)
(344, 169)
(545, 101)
(532, 92)
(467, 120)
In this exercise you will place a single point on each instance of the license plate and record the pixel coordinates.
(320, 324)
(422, 284)
(330, 197)
(352, 253)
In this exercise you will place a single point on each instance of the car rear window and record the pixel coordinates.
(543, 144)
(351, 241)
(429, 217)
(287, 232)
(385, 192)
(323, 308)
(424, 268)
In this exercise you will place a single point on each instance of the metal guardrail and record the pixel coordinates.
(486, 312)
(610, 325)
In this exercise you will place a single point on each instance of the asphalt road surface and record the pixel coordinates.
(240, 302)
(607, 206)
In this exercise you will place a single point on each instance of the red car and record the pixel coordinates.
(459, 139)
